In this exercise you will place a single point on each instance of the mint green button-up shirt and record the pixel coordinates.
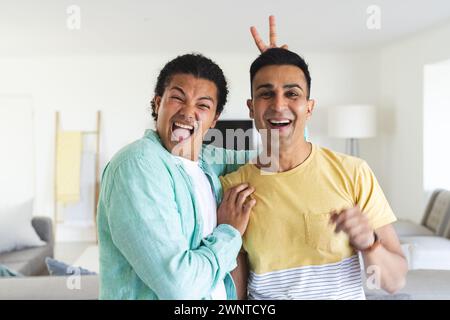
(150, 227)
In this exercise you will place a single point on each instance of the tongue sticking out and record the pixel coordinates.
(180, 134)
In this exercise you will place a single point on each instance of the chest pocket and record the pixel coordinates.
(320, 236)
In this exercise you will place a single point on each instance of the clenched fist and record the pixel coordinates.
(356, 225)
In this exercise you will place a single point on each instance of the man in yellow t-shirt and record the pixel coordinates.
(316, 209)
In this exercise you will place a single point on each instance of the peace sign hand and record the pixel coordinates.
(272, 37)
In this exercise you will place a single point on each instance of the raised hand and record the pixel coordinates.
(272, 37)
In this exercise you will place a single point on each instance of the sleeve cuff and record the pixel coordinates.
(225, 241)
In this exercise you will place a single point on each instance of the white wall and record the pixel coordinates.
(337, 79)
(121, 87)
(397, 153)
(16, 120)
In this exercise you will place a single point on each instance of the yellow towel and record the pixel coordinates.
(68, 162)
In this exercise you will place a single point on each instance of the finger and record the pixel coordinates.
(272, 31)
(226, 194)
(258, 41)
(355, 213)
(235, 191)
(333, 217)
(248, 206)
(357, 223)
(356, 210)
(338, 228)
(349, 224)
(284, 46)
(345, 215)
(342, 219)
(356, 231)
(243, 196)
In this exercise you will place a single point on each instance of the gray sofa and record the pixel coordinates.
(50, 288)
(31, 261)
(420, 285)
(435, 221)
(427, 245)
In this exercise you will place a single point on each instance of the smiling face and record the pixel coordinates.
(186, 111)
(280, 102)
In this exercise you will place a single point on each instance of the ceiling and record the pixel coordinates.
(30, 27)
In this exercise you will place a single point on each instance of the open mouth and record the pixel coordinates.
(279, 123)
(181, 131)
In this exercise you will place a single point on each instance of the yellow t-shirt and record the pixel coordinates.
(289, 235)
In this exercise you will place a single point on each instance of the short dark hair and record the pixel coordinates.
(200, 67)
(278, 57)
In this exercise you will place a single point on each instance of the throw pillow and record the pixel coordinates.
(59, 268)
(16, 231)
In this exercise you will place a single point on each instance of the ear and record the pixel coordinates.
(250, 108)
(216, 117)
(157, 101)
(309, 108)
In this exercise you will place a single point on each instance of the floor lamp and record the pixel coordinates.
(352, 122)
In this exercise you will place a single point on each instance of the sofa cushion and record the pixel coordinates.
(27, 261)
(428, 252)
(438, 212)
(16, 231)
(420, 285)
(409, 228)
(44, 228)
(53, 288)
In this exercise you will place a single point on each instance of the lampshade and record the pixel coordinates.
(352, 121)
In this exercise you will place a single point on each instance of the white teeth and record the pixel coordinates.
(279, 121)
(184, 126)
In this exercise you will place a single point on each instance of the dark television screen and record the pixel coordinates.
(232, 134)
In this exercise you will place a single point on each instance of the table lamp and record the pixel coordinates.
(352, 122)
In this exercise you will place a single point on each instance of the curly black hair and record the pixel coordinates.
(200, 67)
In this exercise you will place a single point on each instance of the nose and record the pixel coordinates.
(279, 102)
(188, 111)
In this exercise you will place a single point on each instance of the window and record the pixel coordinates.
(436, 126)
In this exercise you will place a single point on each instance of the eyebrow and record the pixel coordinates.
(206, 98)
(286, 86)
(178, 89)
(201, 98)
(292, 85)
